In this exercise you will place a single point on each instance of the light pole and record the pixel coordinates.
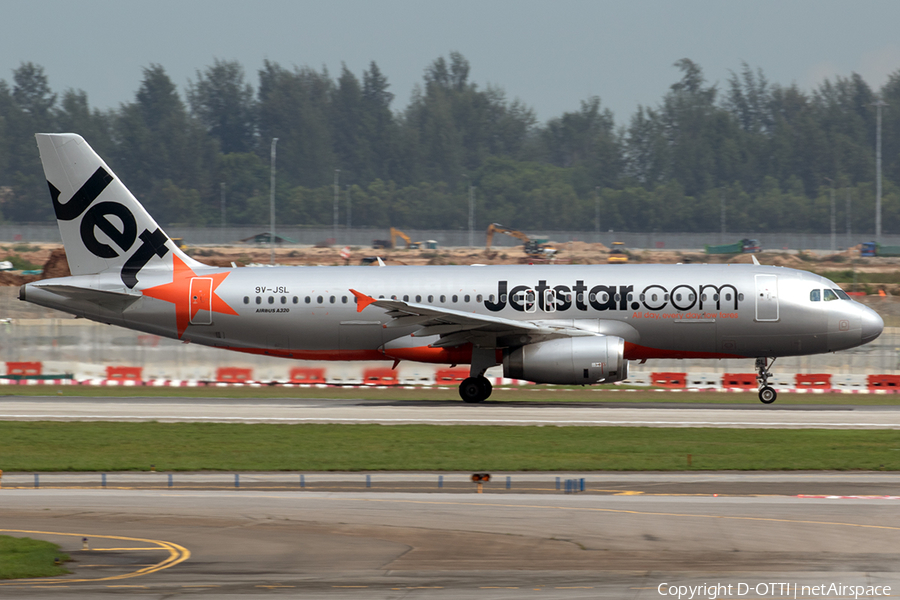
(878, 106)
(471, 213)
(849, 216)
(222, 186)
(337, 176)
(272, 205)
(722, 238)
(597, 211)
(833, 223)
(349, 209)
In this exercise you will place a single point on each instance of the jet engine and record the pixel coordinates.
(569, 361)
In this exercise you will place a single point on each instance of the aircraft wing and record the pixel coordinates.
(458, 327)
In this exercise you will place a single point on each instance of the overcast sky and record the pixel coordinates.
(550, 55)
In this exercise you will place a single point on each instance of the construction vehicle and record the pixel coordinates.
(410, 245)
(745, 246)
(876, 249)
(395, 233)
(537, 247)
(617, 253)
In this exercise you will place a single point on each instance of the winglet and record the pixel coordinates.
(755, 262)
(362, 300)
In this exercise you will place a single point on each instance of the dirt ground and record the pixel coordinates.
(52, 258)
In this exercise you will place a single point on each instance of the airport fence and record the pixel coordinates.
(363, 237)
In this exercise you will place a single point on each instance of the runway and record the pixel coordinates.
(331, 536)
(324, 410)
(217, 544)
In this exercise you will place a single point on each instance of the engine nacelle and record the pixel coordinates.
(569, 361)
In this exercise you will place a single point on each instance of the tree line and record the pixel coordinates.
(762, 156)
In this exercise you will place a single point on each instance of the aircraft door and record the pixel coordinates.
(201, 301)
(766, 297)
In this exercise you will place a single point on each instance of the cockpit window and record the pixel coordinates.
(830, 295)
(815, 295)
(841, 294)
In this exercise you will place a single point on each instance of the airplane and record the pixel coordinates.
(556, 324)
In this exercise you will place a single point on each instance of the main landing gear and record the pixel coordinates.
(767, 393)
(475, 389)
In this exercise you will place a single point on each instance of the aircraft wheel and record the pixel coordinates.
(486, 387)
(472, 391)
(767, 395)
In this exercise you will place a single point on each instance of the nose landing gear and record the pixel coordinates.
(767, 394)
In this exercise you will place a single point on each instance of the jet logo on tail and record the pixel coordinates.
(96, 217)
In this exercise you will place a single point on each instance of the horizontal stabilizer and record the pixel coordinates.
(108, 299)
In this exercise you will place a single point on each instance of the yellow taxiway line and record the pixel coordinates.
(177, 554)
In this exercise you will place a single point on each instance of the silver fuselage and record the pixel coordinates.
(661, 311)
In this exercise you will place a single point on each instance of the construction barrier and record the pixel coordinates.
(813, 380)
(450, 376)
(883, 382)
(669, 380)
(745, 381)
(24, 368)
(308, 375)
(132, 374)
(380, 376)
(233, 375)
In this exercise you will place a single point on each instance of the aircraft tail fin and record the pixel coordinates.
(103, 226)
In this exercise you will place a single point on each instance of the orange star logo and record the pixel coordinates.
(188, 299)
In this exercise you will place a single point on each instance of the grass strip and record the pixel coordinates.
(22, 558)
(528, 393)
(64, 446)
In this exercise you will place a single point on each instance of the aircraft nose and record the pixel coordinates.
(871, 325)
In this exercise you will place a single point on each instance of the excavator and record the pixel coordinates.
(538, 248)
(410, 245)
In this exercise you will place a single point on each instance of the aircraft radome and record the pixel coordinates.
(560, 324)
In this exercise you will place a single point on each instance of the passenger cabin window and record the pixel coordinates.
(829, 295)
(815, 295)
